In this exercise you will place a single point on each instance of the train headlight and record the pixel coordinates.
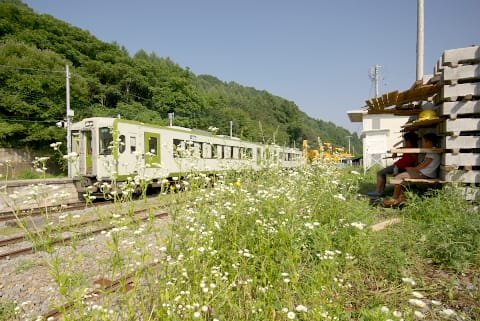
(89, 123)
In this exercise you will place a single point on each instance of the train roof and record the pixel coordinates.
(110, 121)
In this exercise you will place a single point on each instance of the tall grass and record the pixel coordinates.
(296, 244)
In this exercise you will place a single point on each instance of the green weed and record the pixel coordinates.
(290, 244)
(7, 310)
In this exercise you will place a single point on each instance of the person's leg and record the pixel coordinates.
(413, 173)
(397, 191)
(381, 182)
(398, 188)
(382, 178)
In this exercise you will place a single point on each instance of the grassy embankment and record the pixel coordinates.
(298, 245)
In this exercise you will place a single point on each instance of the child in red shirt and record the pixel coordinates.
(407, 160)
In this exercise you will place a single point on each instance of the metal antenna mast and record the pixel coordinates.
(375, 76)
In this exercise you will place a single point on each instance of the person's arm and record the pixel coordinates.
(423, 164)
(407, 160)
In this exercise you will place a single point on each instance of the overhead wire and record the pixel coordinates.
(32, 69)
(36, 95)
(30, 121)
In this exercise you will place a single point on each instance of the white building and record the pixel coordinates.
(380, 133)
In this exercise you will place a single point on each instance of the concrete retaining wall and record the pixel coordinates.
(25, 194)
(22, 159)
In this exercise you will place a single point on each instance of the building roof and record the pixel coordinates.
(356, 116)
(405, 102)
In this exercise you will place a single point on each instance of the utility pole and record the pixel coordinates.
(420, 39)
(70, 114)
(231, 129)
(349, 136)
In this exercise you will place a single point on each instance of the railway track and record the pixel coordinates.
(12, 215)
(22, 237)
(33, 212)
(63, 239)
(102, 286)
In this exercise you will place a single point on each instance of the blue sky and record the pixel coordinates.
(316, 53)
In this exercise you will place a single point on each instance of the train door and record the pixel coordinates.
(152, 149)
(88, 153)
(77, 148)
(125, 153)
(82, 145)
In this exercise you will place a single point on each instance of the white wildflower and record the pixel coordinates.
(409, 280)
(448, 313)
(301, 308)
(419, 314)
(358, 225)
(340, 197)
(418, 295)
(417, 302)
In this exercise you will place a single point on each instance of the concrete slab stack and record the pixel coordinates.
(459, 103)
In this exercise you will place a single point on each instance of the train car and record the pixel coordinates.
(116, 150)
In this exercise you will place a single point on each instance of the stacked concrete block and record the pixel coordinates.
(459, 103)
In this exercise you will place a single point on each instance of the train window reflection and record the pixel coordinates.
(105, 141)
(121, 144)
(133, 144)
(152, 145)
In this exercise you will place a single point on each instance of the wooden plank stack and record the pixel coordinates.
(459, 103)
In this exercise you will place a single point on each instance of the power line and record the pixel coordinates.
(29, 121)
(32, 69)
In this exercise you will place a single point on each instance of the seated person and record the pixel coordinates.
(426, 169)
(407, 160)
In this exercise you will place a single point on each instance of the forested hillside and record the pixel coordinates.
(106, 80)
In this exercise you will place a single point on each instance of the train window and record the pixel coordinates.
(235, 153)
(152, 145)
(227, 152)
(105, 141)
(121, 144)
(178, 148)
(218, 151)
(197, 150)
(133, 144)
(259, 154)
(207, 150)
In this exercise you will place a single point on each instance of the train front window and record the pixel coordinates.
(105, 141)
(121, 144)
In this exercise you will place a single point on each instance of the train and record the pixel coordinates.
(112, 151)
